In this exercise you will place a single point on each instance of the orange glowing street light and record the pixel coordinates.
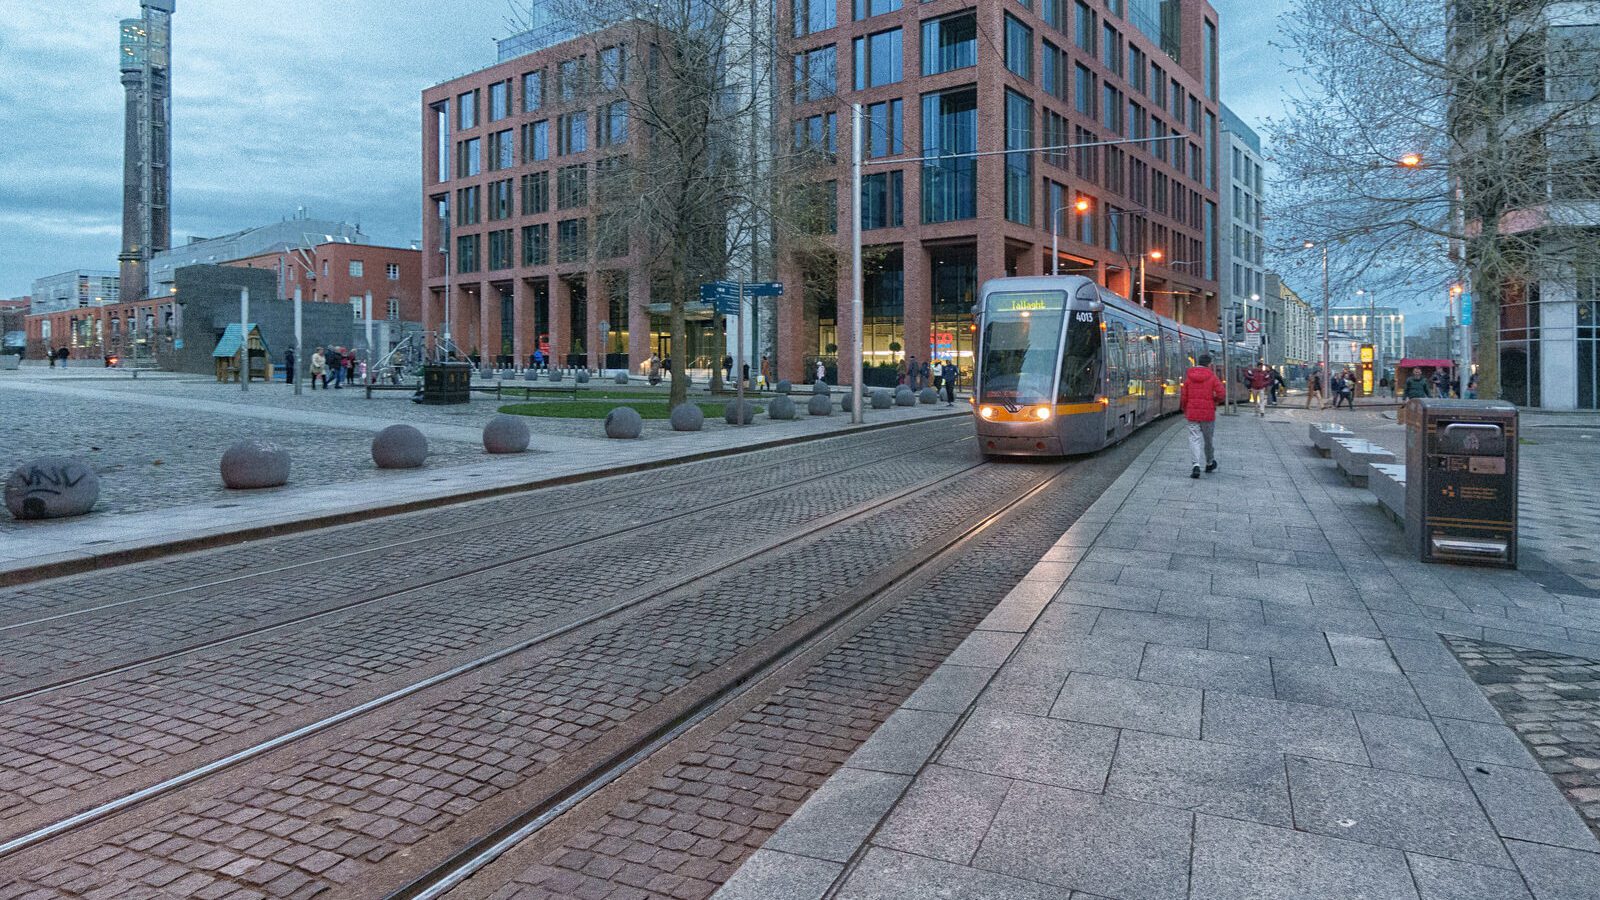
(1455, 290)
(1155, 254)
(1411, 160)
(1081, 205)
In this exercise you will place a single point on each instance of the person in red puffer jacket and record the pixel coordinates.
(1202, 391)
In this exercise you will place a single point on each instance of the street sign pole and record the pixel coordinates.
(299, 366)
(738, 361)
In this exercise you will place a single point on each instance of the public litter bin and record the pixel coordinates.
(1461, 481)
(447, 382)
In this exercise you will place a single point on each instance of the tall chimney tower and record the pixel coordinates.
(147, 143)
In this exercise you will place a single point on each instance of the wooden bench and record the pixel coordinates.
(1324, 432)
(1387, 481)
(1353, 457)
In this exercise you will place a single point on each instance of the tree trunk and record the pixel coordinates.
(680, 379)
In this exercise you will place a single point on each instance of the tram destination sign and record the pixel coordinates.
(1027, 301)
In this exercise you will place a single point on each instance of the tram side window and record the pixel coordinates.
(1116, 368)
(1080, 364)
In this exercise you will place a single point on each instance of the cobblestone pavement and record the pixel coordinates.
(682, 834)
(320, 817)
(1552, 701)
(116, 732)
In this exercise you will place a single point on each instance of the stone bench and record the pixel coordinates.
(1387, 481)
(1353, 456)
(1322, 433)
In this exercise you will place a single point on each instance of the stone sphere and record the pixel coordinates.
(255, 464)
(904, 397)
(52, 487)
(505, 434)
(819, 405)
(581, 377)
(739, 413)
(399, 447)
(847, 401)
(530, 375)
(555, 375)
(687, 417)
(882, 399)
(621, 378)
(781, 407)
(623, 422)
(928, 395)
(820, 387)
(784, 387)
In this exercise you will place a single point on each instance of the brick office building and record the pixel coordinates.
(509, 152)
(339, 272)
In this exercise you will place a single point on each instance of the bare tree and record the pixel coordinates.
(1443, 139)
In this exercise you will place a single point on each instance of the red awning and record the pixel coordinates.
(1426, 364)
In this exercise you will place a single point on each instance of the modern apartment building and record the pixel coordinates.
(1244, 278)
(510, 154)
(74, 289)
(1384, 327)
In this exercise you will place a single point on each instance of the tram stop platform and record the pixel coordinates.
(1241, 686)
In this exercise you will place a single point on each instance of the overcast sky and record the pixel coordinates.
(277, 106)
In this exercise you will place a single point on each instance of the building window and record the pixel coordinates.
(812, 16)
(1111, 48)
(499, 100)
(884, 132)
(815, 74)
(469, 157)
(613, 68)
(612, 124)
(950, 43)
(500, 250)
(878, 59)
(1019, 166)
(357, 268)
(392, 271)
(1083, 27)
(441, 126)
(536, 245)
(881, 200)
(357, 307)
(949, 128)
(1208, 56)
(569, 79)
(572, 133)
(818, 134)
(536, 141)
(1019, 48)
(1052, 71)
(535, 193)
(1136, 70)
(467, 111)
(611, 236)
(467, 253)
(532, 91)
(467, 206)
(572, 240)
(1083, 89)
(500, 200)
(865, 9)
(392, 309)
(572, 186)
(1111, 108)
(500, 150)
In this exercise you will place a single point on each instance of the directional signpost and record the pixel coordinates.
(727, 298)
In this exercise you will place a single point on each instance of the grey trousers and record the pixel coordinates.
(1200, 442)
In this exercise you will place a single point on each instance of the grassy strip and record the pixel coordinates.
(598, 409)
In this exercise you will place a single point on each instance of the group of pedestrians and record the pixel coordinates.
(1264, 383)
(333, 364)
(917, 376)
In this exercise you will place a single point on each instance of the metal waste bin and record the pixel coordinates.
(1461, 481)
(447, 382)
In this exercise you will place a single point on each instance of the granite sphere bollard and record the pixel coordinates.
(687, 417)
(781, 407)
(905, 397)
(820, 387)
(620, 378)
(739, 412)
(819, 405)
(530, 375)
(882, 399)
(581, 377)
(506, 434)
(847, 401)
(784, 386)
(52, 487)
(254, 464)
(928, 395)
(623, 423)
(555, 375)
(400, 447)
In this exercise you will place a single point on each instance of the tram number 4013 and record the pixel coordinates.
(1084, 317)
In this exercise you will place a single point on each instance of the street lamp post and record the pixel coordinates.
(1327, 373)
(856, 298)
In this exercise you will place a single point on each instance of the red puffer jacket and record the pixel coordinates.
(1202, 391)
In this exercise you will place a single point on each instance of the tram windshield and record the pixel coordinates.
(1021, 346)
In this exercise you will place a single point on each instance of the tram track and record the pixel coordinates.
(698, 696)
(28, 689)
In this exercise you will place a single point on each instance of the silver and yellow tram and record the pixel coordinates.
(1064, 366)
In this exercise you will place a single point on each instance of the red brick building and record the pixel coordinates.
(340, 272)
(509, 153)
(93, 332)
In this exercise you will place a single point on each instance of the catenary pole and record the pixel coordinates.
(856, 343)
(244, 339)
(298, 350)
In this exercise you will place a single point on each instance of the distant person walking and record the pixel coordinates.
(336, 368)
(1313, 388)
(538, 358)
(319, 368)
(948, 374)
(1199, 396)
(288, 366)
(1416, 386)
(50, 354)
(727, 366)
(923, 375)
(766, 372)
(1259, 380)
(822, 371)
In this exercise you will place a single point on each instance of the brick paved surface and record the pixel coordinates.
(82, 737)
(347, 802)
(1552, 701)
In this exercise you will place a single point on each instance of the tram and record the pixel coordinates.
(1067, 367)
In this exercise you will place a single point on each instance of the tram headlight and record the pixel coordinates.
(1042, 413)
(987, 412)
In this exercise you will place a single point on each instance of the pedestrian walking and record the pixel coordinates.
(1278, 384)
(744, 373)
(288, 366)
(727, 365)
(948, 374)
(911, 372)
(1416, 386)
(319, 368)
(766, 372)
(50, 354)
(922, 375)
(822, 371)
(1313, 387)
(1199, 396)
(1258, 381)
(900, 372)
(538, 358)
(336, 368)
